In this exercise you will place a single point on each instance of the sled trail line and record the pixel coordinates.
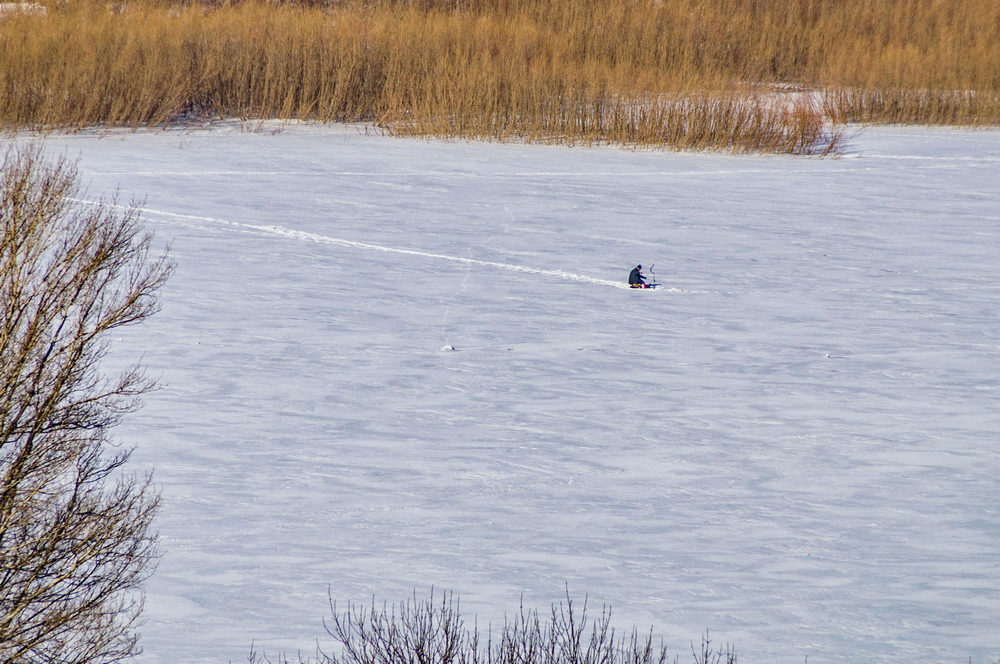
(323, 239)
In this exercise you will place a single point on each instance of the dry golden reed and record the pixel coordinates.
(741, 75)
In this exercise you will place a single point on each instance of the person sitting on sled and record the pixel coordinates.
(636, 279)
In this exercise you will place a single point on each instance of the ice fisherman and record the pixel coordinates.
(636, 278)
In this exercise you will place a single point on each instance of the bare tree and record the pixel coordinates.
(75, 533)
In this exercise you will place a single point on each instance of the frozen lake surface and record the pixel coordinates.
(794, 444)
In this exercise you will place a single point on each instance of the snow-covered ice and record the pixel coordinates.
(795, 444)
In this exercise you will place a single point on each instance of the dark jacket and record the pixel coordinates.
(635, 277)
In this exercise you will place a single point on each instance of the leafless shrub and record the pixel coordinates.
(432, 631)
(422, 631)
(706, 654)
(75, 542)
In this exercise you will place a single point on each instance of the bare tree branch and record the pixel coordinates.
(75, 544)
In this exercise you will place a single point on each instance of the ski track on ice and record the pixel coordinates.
(282, 231)
(324, 239)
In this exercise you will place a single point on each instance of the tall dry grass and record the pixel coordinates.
(686, 74)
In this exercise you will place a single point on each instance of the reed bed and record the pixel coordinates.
(681, 74)
(966, 108)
